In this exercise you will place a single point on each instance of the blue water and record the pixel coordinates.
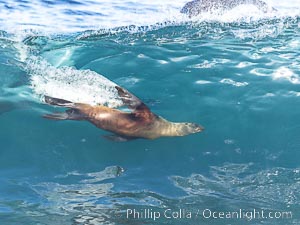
(239, 79)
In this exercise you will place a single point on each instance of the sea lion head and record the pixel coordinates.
(190, 128)
(180, 129)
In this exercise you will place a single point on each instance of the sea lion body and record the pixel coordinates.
(196, 7)
(140, 123)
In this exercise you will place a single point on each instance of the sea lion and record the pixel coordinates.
(139, 123)
(196, 7)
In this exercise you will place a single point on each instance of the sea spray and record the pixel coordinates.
(84, 86)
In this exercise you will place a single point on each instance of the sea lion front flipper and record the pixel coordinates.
(70, 114)
(118, 138)
(56, 116)
(131, 101)
(58, 102)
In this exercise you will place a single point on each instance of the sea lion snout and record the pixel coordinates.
(190, 128)
(194, 128)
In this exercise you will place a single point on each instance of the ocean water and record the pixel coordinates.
(236, 73)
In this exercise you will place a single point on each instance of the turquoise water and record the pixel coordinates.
(239, 79)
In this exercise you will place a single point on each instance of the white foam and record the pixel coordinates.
(128, 81)
(203, 82)
(295, 43)
(268, 49)
(162, 62)
(262, 72)
(286, 74)
(103, 14)
(233, 83)
(92, 14)
(209, 64)
(269, 95)
(205, 64)
(183, 58)
(294, 93)
(83, 86)
(244, 64)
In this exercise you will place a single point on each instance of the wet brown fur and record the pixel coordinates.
(140, 123)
